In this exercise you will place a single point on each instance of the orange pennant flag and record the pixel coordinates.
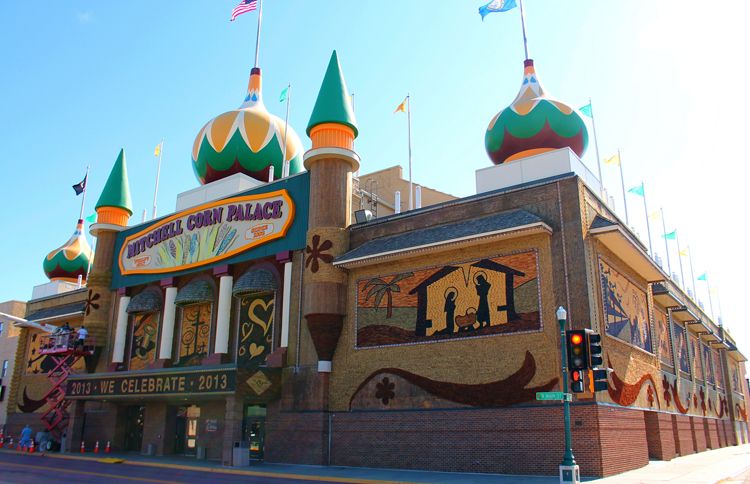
(401, 107)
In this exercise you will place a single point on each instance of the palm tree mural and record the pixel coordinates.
(380, 289)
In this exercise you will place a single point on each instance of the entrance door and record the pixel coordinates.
(134, 428)
(254, 429)
(186, 430)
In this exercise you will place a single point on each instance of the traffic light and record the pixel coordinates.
(576, 345)
(576, 381)
(598, 380)
(595, 348)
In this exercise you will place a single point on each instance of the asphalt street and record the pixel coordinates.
(19, 468)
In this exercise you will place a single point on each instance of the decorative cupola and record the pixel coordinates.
(71, 260)
(247, 140)
(534, 123)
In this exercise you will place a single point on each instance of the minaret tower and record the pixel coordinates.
(113, 210)
(331, 162)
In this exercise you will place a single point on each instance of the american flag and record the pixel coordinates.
(244, 7)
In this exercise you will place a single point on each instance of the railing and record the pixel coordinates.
(65, 342)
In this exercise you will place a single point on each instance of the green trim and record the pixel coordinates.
(116, 192)
(333, 104)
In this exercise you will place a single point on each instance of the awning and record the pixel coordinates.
(665, 297)
(146, 302)
(59, 312)
(195, 292)
(683, 314)
(499, 226)
(621, 243)
(735, 353)
(257, 280)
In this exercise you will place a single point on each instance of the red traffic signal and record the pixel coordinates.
(577, 349)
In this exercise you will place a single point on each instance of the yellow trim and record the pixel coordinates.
(227, 201)
(112, 215)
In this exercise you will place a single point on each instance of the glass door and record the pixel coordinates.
(134, 428)
(254, 430)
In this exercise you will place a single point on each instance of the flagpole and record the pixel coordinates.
(285, 163)
(710, 302)
(158, 172)
(679, 258)
(648, 224)
(523, 29)
(692, 277)
(666, 242)
(257, 38)
(83, 200)
(622, 183)
(596, 149)
(408, 123)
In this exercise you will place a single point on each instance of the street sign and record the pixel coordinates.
(554, 396)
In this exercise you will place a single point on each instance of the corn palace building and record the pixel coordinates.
(265, 316)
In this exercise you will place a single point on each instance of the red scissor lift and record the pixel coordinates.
(64, 352)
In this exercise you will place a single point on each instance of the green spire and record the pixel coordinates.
(116, 191)
(334, 104)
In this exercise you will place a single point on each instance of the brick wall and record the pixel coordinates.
(712, 433)
(683, 432)
(660, 436)
(624, 445)
(519, 440)
(699, 433)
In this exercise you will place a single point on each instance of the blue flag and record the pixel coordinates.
(496, 6)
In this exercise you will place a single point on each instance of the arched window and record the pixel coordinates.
(144, 312)
(255, 292)
(195, 301)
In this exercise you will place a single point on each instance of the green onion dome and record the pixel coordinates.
(534, 123)
(246, 140)
(70, 260)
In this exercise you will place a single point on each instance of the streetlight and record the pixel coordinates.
(569, 471)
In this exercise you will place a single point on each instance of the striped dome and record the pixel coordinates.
(534, 123)
(246, 140)
(70, 260)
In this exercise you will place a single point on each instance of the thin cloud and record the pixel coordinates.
(85, 17)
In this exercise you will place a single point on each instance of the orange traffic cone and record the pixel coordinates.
(31, 447)
(96, 447)
(2, 439)
(107, 448)
(83, 447)
(10, 444)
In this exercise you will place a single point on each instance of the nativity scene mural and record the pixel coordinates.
(625, 308)
(476, 298)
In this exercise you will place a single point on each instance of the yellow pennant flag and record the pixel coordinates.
(157, 150)
(401, 107)
(613, 160)
(684, 252)
(655, 215)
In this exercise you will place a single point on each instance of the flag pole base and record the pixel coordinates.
(570, 474)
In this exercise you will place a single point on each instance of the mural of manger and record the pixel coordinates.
(468, 299)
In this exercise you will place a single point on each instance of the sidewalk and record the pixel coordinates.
(705, 467)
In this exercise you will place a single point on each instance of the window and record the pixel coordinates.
(2, 325)
(5, 368)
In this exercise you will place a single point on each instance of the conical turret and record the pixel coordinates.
(333, 110)
(114, 205)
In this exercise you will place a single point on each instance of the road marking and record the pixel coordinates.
(87, 473)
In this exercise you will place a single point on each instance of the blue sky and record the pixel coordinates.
(83, 78)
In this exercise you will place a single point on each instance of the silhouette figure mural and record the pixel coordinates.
(465, 299)
(625, 308)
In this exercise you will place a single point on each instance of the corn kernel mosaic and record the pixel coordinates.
(482, 297)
